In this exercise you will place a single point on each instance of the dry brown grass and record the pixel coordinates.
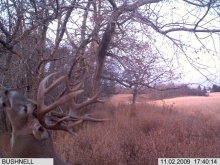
(141, 136)
(127, 98)
(195, 104)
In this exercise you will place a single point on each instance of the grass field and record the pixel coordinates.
(194, 104)
(186, 127)
(180, 127)
(186, 104)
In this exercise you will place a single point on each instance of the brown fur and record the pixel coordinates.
(29, 138)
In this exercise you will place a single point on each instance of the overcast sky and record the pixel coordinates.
(207, 61)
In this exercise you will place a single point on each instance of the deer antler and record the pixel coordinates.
(61, 121)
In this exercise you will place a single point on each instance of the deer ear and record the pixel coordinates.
(40, 132)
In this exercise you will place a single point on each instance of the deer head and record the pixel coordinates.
(31, 120)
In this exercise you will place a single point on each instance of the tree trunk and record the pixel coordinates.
(102, 51)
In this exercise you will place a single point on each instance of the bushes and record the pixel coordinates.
(141, 137)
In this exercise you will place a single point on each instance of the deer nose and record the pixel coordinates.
(6, 91)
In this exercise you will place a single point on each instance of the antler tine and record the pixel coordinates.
(89, 118)
(43, 109)
(67, 123)
(42, 87)
(77, 87)
(75, 106)
(42, 90)
(94, 99)
(61, 121)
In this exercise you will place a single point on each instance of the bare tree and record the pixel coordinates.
(140, 68)
(131, 42)
(92, 30)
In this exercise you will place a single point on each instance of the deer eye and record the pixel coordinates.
(25, 108)
(3, 104)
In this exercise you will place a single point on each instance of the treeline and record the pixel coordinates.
(168, 91)
(177, 91)
(215, 88)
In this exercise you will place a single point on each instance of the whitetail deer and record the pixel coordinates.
(30, 120)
